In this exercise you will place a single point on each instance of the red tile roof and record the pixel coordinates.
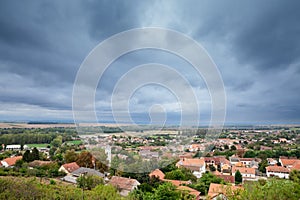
(12, 160)
(296, 166)
(288, 162)
(191, 162)
(157, 173)
(70, 167)
(226, 178)
(124, 183)
(191, 191)
(277, 169)
(243, 170)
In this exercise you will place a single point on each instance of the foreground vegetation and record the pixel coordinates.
(12, 188)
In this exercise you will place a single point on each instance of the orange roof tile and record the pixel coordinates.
(124, 183)
(157, 173)
(177, 182)
(296, 166)
(277, 169)
(287, 162)
(12, 160)
(216, 189)
(191, 162)
(226, 178)
(191, 191)
(243, 170)
(70, 167)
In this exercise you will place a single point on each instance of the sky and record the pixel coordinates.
(254, 44)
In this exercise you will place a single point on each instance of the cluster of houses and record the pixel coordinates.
(286, 166)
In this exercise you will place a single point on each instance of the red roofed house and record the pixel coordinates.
(124, 185)
(157, 173)
(247, 173)
(191, 191)
(279, 171)
(69, 167)
(287, 162)
(226, 178)
(196, 165)
(9, 162)
(218, 191)
(296, 166)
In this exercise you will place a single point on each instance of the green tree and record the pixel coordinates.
(35, 154)
(238, 177)
(272, 189)
(180, 174)
(166, 191)
(26, 156)
(89, 181)
(202, 185)
(250, 154)
(295, 176)
(85, 159)
(262, 166)
(107, 192)
(70, 156)
(57, 142)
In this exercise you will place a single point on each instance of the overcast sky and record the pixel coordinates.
(255, 45)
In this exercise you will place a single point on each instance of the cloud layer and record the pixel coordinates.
(256, 46)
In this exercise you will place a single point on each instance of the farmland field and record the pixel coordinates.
(38, 145)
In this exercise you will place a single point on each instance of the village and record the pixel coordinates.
(180, 157)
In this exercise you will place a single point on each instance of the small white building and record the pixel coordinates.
(15, 147)
(278, 171)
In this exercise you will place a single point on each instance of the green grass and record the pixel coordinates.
(76, 142)
(37, 145)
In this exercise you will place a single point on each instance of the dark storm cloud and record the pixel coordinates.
(255, 44)
(107, 18)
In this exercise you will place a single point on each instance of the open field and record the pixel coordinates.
(76, 142)
(37, 145)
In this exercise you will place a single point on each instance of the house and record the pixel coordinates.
(72, 177)
(287, 162)
(226, 169)
(196, 165)
(195, 147)
(157, 173)
(124, 185)
(272, 161)
(69, 167)
(191, 191)
(9, 162)
(218, 191)
(247, 173)
(282, 140)
(15, 147)
(296, 166)
(88, 171)
(234, 159)
(226, 178)
(246, 161)
(278, 171)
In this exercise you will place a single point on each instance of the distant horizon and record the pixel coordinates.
(204, 124)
